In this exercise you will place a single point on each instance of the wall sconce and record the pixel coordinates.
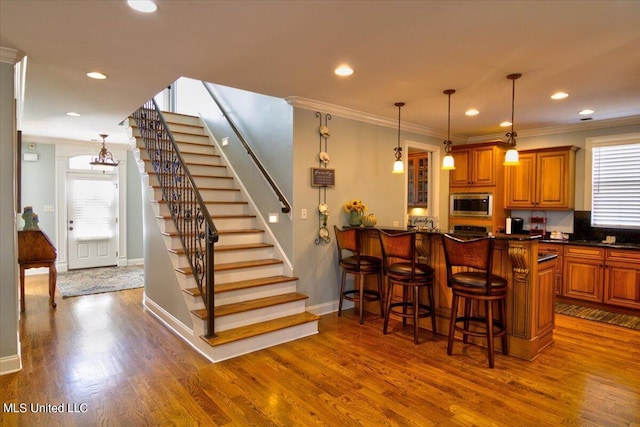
(398, 165)
(447, 160)
(512, 158)
(105, 158)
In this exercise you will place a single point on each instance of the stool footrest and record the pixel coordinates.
(355, 295)
(423, 310)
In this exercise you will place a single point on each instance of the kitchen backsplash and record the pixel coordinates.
(583, 230)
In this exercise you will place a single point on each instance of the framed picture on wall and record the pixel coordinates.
(323, 177)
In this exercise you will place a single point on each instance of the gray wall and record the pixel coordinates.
(135, 250)
(39, 186)
(9, 346)
(362, 156)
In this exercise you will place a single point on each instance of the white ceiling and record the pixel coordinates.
(401, 51)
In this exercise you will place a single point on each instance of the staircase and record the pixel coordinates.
(256, 303)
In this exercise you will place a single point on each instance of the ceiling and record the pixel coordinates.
(408, 51)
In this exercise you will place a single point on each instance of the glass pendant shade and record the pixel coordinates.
(511, 158)
(398, 166)
(447, 163)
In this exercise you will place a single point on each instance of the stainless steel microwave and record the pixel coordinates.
(471, 204)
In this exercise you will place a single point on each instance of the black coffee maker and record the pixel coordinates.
(516, 225)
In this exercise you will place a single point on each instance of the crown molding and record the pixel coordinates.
(10, 56)
(348, 113)
(573, 127)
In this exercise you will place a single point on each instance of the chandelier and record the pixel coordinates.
(105, 158)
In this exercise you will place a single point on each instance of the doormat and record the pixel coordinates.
(99, 280)
(625, 320)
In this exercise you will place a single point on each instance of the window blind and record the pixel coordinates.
(616, 186)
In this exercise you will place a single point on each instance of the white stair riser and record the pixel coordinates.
(247, 273)
(201, 159)
(186, 281)
(238, 348)
(250, 317)
(191, 138)
(172, 118)
(211, 169)
(235, 223)
(224, 257)
(215, 182)
(178, 260)
(232, 297)
(195, 129)
(208, 195)
(240, 239)
(172, 242)
(228, 209)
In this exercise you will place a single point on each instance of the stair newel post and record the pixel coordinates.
(212, 237)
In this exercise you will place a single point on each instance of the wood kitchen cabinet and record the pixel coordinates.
(418, 180)
(554, 248)
(583, 272)
(544, 180)
(622, 278)
(477, 164)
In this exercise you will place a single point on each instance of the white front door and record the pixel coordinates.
(92, 220)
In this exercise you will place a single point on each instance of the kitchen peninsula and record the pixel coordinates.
(531, 292)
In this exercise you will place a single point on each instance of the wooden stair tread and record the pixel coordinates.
(244, 284)
(254, 304)
(202, 188)
(241, 231)
(235, 265)
(249, 331)
(197, 175)
(217, 248)
(208, 202)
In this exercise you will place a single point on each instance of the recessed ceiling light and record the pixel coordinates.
(344, 70)
(96, 75)
(145, 6)
(559, 95)
(505, 124)
(73, 114)
(472, 112)
(586, 112)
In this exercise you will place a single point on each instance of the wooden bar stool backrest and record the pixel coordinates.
(398, 247)
(347, 240)
(475, 253)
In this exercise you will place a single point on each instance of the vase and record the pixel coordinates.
(355, 218)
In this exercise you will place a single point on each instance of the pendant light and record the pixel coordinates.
(105, 158)
(447, 161)
(398, 165)
(512, 158)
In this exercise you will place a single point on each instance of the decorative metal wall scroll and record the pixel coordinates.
(323, 177)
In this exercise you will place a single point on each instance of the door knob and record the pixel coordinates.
(70, 228)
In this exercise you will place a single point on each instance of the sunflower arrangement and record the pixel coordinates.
(354, 206)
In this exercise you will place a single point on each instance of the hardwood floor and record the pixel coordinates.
(114, 364)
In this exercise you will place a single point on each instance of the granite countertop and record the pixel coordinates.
(593, 243)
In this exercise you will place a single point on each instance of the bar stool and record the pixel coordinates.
(359, 265)
(479, 284)
(401, 267)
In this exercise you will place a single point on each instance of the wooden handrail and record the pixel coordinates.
(286, 206)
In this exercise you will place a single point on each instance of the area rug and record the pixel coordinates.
(99, 280)
(625, 320)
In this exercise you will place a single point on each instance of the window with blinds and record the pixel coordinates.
(616, 186)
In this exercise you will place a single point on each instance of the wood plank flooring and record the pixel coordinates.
(117, 366)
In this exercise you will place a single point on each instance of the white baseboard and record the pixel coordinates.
(10, 364)
(179, 328)
(328, 307)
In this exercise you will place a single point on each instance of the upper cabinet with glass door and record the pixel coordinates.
(418, 180)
